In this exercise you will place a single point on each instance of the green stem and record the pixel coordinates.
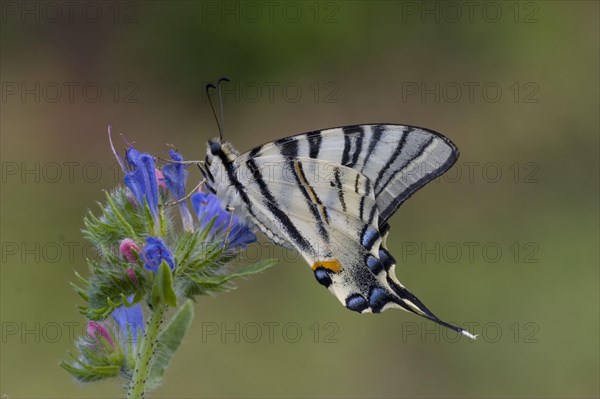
(137, 385)
(161, 220)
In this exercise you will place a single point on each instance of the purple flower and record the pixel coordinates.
(175, 176)
(208, 206)
(130, 321)
(154, 252)
(141, 180)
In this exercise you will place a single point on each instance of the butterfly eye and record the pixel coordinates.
(215, 147)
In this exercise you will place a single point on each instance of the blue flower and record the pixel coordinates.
(175, 177)
(130, 321)
(154, 252)
(141, 180)
(208, 206)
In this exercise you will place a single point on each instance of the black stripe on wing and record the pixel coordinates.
(273, 206)
(393, 206)
(233, 180)
(314, 145)
(290, 149)
(377, 133)
(352, 152)
(311, 198)
(392, 159)
(313, 202)
(347, 147)
(338, 184)
(404, 165)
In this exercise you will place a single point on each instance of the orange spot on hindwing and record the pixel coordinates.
(333, 265)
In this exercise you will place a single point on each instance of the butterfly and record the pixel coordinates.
(330, 194)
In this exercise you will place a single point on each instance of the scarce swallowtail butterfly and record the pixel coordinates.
(329, 194)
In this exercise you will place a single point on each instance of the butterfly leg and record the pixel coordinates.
(188, 195)
(230, 210)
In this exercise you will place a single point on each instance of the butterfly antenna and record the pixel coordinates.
(219, 82)
(170, 161)
(212, 107)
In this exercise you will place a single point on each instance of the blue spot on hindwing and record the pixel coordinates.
(368, 237)
(356, 302)
(374, 264)
(386, 259)
(322, 276)
(378, 297)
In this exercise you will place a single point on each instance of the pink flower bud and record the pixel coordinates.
(127, 248)
(97, 330)
(131, 274)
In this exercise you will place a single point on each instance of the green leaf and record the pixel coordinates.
(244, 271)
(255, 268)
(207, 282)
(169, 341)
(119, 216)
(162, 291)
(85, 373)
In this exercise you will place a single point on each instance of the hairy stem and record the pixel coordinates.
(137, 385)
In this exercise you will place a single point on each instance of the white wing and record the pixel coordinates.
(397, 159)
(329, 193)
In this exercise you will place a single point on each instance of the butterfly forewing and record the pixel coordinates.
(396, 159)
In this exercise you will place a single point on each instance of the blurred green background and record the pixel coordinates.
(507, 242)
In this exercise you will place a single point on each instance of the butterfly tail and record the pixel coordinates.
(403, 297)
(408, 301)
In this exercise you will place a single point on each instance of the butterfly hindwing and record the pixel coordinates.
(334, 217)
